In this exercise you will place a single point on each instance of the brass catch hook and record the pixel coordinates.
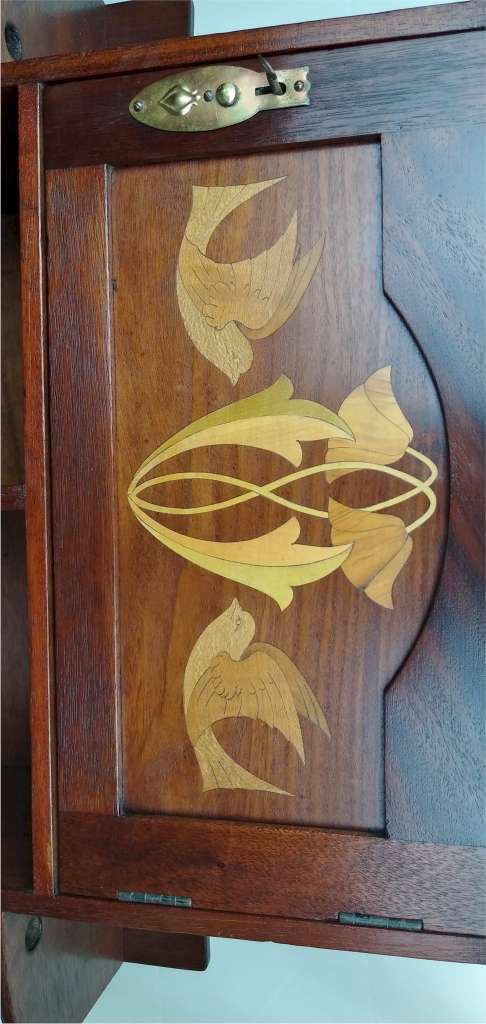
(275, 86)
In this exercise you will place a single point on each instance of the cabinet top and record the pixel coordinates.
(311, 35)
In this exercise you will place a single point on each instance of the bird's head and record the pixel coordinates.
(239, 628)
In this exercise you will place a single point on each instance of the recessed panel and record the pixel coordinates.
(281, 469)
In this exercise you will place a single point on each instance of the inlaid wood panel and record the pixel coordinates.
(346, 645)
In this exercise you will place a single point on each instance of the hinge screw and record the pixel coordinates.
(33, 933)
(299, 85)
(209, 95)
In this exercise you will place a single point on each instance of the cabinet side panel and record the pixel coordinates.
(83, 487)
(433, 257)
(37, 502)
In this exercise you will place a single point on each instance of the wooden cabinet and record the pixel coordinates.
(254, 487)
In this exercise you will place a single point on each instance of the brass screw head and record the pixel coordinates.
(227, 94)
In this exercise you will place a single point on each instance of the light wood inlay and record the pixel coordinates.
(226, 305)
(228, 676)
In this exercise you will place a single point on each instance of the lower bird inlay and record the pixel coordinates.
(229, 676)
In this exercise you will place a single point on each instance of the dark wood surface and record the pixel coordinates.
(324, 934)
(274, 870)
(37, 501)
(78, 26)
(356, 91)
(164, 949)
(13, 497)
(434, 268)
(45, 27)
(63, 976)
(229, 46)
(16, 827)
(12, 382)
(83, 487)
(15, 651)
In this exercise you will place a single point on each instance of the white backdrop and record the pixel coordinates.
(254, 982)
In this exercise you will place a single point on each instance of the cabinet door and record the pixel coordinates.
(266, 468)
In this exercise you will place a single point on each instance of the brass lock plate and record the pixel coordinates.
(202, 99)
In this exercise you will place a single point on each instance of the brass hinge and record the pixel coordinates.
(406, 924)
(154, 897)
(202, 99)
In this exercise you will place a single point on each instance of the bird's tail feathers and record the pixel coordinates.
(219, 771)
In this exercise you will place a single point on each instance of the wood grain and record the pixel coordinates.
(346, 648)
(12, 381)
(15, 646)
(225, 46)
(16, 827)
(83, 487)
(46, 28)
(13, 497)
(163, 949)
(324, 934)
(331, 872)
(434, 272)
(356, 91)
(78, 26)
(61, 979)
(37, 481)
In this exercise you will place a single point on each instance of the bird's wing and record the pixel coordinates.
(247, 292)
(300, 277)
(305, 702)
(254, 687)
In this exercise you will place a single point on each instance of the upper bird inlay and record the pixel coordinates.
(226, 306)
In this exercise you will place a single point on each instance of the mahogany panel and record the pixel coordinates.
(15, 645)
(274, 870)
(346, 647)
(164, 949)
(83, 486)
(12, 380)
(37, 476)
(434, 259)
(356, 91)
(332, 32)
(45, 27)
(77, 26)
(13, 497)
(324, 934)
(61, 979)
(16, 827)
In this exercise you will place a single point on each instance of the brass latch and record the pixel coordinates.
(202, 99)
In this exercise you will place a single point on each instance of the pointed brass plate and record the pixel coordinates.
(202, 99)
